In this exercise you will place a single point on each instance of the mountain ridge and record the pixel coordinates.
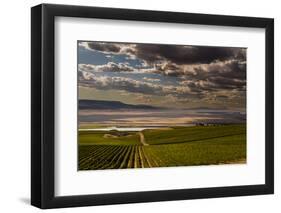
(102, 104)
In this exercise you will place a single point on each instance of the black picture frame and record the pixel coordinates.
(43, 102)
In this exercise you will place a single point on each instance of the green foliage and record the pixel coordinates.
(108, 138)
(188, 134)
(180, 146)
(212, 151)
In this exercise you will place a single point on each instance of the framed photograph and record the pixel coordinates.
(136, 106)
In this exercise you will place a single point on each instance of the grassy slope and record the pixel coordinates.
(210, 151)
(187, 134)
(97, 138)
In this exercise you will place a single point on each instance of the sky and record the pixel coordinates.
(176, 76)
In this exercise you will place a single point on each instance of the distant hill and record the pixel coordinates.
(207, 108)
(111, 105)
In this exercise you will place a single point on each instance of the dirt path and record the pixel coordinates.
(142, 139)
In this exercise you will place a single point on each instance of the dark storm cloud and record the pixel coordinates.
(226, 83)
(179, 54)
(218, 76)
(233, 69)
(185, 54)
(241, 54)
(104, 47)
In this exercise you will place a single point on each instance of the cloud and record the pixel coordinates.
(207, 67)
(101, 46)
(217, 75)
(221, 75)
(185, 54)
(135, 86)
(179, 54)
(110, 48)
(189, 73)
(119, 83)
(186, 92)
(151, 79)
(192, 81)
(109, 67)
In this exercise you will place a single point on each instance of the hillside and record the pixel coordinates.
(110, 105)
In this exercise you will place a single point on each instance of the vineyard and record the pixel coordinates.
(174, 147)
(115, 157)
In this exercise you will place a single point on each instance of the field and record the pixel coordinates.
(163, 147)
